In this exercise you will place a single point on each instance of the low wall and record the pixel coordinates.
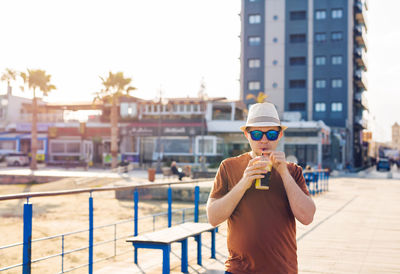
(179, 193)
(26, 179)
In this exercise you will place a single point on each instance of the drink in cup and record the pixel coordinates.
(263, 183)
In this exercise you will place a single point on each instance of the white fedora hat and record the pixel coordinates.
(262, 115)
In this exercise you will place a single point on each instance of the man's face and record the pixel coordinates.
(264, 143)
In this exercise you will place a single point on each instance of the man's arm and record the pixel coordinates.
(218, 210)
(302, 205)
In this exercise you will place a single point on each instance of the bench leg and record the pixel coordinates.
(166, 262)
(213, 243)
(184, 256)
(198, 239)
(135, 255)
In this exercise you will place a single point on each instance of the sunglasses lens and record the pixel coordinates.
(256, 135)
(272, 135)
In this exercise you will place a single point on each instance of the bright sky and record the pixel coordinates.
(164, 44)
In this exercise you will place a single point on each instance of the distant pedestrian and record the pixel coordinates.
(176, 171)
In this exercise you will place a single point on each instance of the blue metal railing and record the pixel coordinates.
(317, 181)
(28, 214)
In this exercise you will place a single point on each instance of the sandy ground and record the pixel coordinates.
(62, 214)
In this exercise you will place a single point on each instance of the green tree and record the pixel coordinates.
(115, 86)
(8, 76)
(36, 79)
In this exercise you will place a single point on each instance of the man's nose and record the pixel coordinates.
(264, 138)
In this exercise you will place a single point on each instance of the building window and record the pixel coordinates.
(297, 61)
(297, 106)
(254, 85)
(254, 63)
(275, 40)
(275, 62)
(320, 60)
(274, 85)
(337, 36)
(254, 19)
(320, 83)
(298, 15)
(337, 13)
(297, 38)
(337, 83)
(320, 14)
(337, 59)
(336, 107)
(275, 17)
(320, 37)
(320, 107)
(254, 40)
(297, 83)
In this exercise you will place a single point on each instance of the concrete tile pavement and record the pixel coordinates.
(356, 229)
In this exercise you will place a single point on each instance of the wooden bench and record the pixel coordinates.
(163, 239)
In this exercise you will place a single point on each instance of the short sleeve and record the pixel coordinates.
(297, 174)
(220, 187)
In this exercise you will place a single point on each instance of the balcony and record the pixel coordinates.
(360, 100)
(361, 122)
(360, 79)
(360, 36)
(360, 11)
(361, 57)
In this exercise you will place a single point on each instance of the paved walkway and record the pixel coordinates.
(356, 230)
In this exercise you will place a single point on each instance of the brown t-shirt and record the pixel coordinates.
(262, 228)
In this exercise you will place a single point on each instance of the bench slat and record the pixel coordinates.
(172, 234)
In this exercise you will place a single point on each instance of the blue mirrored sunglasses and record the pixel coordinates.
(271, 135)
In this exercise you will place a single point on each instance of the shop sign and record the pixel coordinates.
(26, 127)
(141, 131)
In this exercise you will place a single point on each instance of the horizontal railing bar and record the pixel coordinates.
(102, 226)
(10, 267)
(45, 258)
(90, 190)
(75, 250)
(75, 268)
(103, 259)
(11, 245)
(103, 242)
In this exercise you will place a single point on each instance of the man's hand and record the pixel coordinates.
(254, 170)
(278, 160)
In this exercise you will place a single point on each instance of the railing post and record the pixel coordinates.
(169, 206)
(136, 213)
(196, 203)
(327, 181)
(90, 234)
(135, 220)
(27, 247)
(62, 253)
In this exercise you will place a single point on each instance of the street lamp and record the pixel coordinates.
(161, 102)
(203, 121)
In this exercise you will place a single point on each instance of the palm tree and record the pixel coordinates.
(36, 79)
(260, 98)
(115, 86)
(8, 76)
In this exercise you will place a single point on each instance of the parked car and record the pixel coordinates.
(383, 164)
(17, 159)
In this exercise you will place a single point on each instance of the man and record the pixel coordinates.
(175, 171)
(261, 223)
